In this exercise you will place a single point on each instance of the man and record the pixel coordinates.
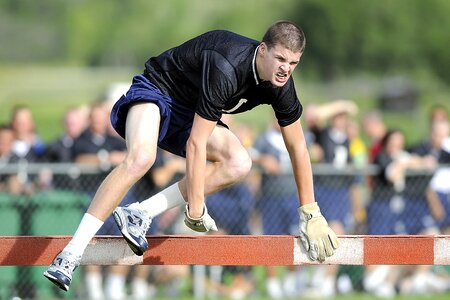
(176, 104)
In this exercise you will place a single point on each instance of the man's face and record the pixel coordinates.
(276, 64)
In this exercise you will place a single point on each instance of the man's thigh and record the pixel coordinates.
(224, 145)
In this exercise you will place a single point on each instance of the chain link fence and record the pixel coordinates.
(53, 198)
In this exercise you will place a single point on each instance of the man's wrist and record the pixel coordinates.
(194, 212)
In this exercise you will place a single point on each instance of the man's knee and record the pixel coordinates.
(140, 161)
(240, 165)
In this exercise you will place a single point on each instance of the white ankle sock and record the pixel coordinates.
(164, 200)
(87, 229)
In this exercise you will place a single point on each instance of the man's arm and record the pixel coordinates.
(317, 237)
(301, 164)
(196, 214)
(196, 164)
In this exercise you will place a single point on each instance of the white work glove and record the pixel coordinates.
(203, 224)
(317, 237)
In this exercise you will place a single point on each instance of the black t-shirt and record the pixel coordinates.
(215, 73)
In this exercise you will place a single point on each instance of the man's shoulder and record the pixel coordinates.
(223, 40)
(222, 33)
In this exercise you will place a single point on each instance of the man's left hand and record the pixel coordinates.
(203, 224)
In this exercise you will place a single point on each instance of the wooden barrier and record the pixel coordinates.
(230, 250)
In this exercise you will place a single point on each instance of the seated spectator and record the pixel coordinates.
(316, 117)
(8, 183)
(438, 112)
(74, 123)
(390, 211)
(374, 127)
(438, 193)
(27, 144)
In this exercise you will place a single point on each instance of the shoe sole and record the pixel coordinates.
(118, 219)
(55, 281)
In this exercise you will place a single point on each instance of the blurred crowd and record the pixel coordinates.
(408, 192)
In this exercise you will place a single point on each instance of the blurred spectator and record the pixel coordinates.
(8, 183)
(61, 150)
(358, 156)
(278, 201)
(333, 191)
(316, 117)
(375, 129)
(27, 143)
(432, 147)
(438, 112)
(390, 212)
(74, 123)
(438, 193)
(96, 147)
(357, 147)
(27, 146)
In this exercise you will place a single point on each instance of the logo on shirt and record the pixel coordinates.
(242, 101)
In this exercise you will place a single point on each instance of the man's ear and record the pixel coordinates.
(262, 48)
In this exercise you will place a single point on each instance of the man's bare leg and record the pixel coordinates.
(229, 163)
(141, 135)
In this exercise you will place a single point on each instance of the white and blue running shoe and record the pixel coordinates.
(133, 224)
(61, 269)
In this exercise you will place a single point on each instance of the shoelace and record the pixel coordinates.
(142, 229)
(68, 264)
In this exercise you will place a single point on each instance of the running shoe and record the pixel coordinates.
(133, 224)
(61, 269)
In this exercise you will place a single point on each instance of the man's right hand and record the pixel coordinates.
(317, 237)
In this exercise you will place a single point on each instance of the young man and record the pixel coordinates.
(176, 104)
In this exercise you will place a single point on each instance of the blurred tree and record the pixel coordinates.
(377, 36)
(343, 36)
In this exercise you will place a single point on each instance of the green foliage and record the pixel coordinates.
(381, 37)
(343, 36)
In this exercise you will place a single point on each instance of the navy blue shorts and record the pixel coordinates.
(176, 117)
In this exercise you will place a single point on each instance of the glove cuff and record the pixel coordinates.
(205, 212)
(310, 210)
